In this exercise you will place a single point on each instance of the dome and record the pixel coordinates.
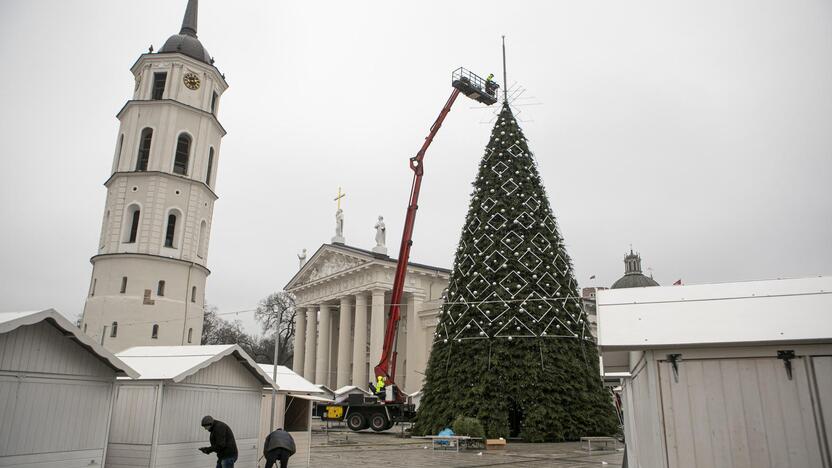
(634, 281)
(188, 45)
(633, 277)
(186, 41)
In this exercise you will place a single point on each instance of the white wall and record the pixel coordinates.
(49, 388)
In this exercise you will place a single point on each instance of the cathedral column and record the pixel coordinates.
(376, 329)
(359, 345)
(300, 340)
(415, 354)
(311, 338)
(344, 343)
(323, 357)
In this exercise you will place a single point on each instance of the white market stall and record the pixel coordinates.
(293, 409)
(53, 381)
(156, 419)
(733, 374)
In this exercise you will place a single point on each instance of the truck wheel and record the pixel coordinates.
(356, 421)
(378, 422)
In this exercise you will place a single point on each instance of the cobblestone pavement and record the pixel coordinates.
(349, 449)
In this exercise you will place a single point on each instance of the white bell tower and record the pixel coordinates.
(148, 278)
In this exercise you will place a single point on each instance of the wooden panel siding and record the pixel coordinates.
(227, 372)
(128, 456)
(738, 413)
(187, 455)
(133, 414)
(183, 407)
(70, 459)
(43, 415)
(41, 348)
(823, 383)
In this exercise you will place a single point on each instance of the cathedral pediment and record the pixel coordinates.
(325, 263)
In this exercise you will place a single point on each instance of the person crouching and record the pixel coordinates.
(279, 446)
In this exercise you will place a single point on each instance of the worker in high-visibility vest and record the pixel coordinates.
(379, 384)
(489, 84)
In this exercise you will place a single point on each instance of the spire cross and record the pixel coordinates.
(505, 79)
(339, 197)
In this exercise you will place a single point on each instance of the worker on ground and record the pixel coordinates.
(222, 442)
(279, 446)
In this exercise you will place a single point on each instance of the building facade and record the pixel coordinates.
(343, 295)
(148, 279)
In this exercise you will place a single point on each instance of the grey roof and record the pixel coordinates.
(186, 41)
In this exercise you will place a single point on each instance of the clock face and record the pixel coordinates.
(191, 81)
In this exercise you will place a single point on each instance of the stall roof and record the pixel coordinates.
(10, 321)
(178, 362)
(290, 382)
(752, 312)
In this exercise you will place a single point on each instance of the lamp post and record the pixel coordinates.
(274, 374)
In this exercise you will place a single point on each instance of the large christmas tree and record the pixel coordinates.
(513, 346)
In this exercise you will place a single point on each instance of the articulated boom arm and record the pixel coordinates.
(387, 366)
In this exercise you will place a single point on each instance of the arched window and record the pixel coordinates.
(193, 294)
(144, 149)
(203, 239)
(94, 282)
(210, 166)
(183, 152)
(190, 335)
(160, 290)
(123, 289)
(155, 333)
(170, 232)
(114, 330)
(131, 221)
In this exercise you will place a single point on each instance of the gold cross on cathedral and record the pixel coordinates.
(339, 197)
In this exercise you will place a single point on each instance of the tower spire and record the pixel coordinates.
(189, 21)
(505, 78)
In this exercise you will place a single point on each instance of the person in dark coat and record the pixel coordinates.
(279, 446)
(222, 442)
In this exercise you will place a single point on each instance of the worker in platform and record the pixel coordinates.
(379, 385)
(489, 84)
(222, 442)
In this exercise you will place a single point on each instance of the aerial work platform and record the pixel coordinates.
(475, 86)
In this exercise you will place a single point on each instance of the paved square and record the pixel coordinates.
(369, 449)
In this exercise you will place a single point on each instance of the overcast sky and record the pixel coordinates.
(700, 132)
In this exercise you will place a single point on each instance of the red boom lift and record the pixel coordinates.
(362, 412)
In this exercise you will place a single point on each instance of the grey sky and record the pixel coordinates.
(697, 131)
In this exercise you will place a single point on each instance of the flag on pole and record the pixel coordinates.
(678, 282)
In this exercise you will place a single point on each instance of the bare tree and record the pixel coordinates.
(276, 313)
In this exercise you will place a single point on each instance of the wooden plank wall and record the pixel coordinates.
(187, 455)
(227, 372)
(183, 407)
(128, 456)
(42, 349)
(738, 413)
(67, 459)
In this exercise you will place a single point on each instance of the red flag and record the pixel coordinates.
(678, 282)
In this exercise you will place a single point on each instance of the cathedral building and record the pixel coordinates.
(343, 296)
(148, 278)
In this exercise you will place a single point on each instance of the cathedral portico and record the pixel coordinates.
(343, 292)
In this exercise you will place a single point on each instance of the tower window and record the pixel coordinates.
(133, 216)
(203, 239)
(159, 80)
(92, 291)
(183, 150)
(155, 333)
(214, 102)
(144, 149)
(170, 233)
(210, 166)
(123, 284)
(193, 294)
(190, 335)
(85, 328)
(114, 330)
(160, 290)
(118, 150)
